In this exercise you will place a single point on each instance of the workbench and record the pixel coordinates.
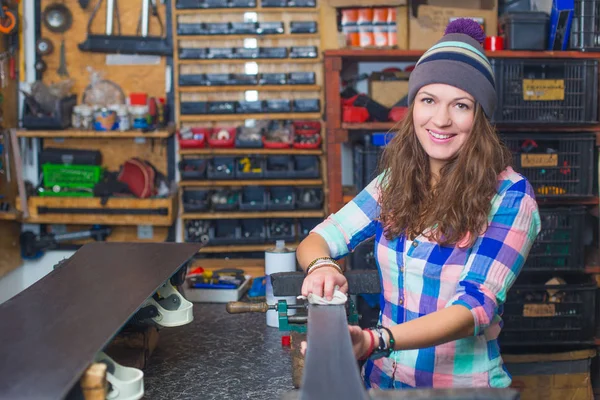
(219, 356)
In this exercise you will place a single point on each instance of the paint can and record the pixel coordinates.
(278, 259)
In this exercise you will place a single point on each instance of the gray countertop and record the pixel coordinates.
(219, 357)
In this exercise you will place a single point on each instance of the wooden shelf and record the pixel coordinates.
(9, 216)
(369, 126)
(72, 133)
(187, 61)
(260, 214)
(395, 54)
(259, 88)
(242, 248)
(246, 10)
(235, 117)
(243, 152)
(592, 269)
(590, 201)
(258, 182)
(117, 211)
(281, 36)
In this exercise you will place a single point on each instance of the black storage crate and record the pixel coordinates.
(305, 225)
(366, 160)
(191, 29)
(193, 80)
(556, 165)
(225, 199)
(193, 107)
(281, 198)
(225, 231)
(559, 245)
(278, 167)
(254, 231)
(363, 256)
(193, 53)
(256, 165)
(193, 168)
(59, 119)
(196, 200)
(249, 138)
(253, 198)
(539, 314)
(221, 168)
(586, 25)
(309, 198)
(544, 91)
(306, 167)
(281, 229)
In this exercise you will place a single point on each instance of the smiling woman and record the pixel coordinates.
(453, 226)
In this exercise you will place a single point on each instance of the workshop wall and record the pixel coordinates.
(132, 78)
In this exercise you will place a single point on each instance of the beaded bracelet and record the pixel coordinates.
(390, 337)
(329, 259)
(321, 265)
(371, 345)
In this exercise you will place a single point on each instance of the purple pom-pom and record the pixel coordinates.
(468, 27)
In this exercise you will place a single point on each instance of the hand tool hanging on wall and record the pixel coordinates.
(57, 18)
(8, 20)
(125, 44)
(62, 67)
(144, 21)
(33, 246)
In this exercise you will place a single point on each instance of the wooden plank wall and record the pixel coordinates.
(134, 78)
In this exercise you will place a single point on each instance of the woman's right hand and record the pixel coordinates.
(322, 282)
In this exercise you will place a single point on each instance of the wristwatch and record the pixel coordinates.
(382, 349)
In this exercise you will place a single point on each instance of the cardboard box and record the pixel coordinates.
(551, 376)
(428, 20)
(388, 92)
(365, 3)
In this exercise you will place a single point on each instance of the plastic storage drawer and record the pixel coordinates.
(281, 198)
(309, 198)
(196, 200)
(193, 168)
(223, 232)
(281, 229)
(221, 168)
(254, 231)
(278, 167)
(305, 225)
(253, 198)
(306, 167)
(225, 199)
(252, 167)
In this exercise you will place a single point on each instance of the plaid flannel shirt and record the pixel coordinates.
(421, 277)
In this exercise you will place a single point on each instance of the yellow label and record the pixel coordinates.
(539, 160)
(539, 310)
(543, 89)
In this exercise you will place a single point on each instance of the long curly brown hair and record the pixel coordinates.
(457, 207)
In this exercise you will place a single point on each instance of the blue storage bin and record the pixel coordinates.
(254, 231)
(256, 164)
(306, 167)
(221, 168)
(281, 198)
(253, 198)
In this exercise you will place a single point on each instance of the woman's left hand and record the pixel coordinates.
(361, 341)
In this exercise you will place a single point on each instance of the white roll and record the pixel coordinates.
(278, 259)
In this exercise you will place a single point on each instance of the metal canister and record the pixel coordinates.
(278, 259)
(105, 119)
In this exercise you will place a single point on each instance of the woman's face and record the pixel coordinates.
(443, 116)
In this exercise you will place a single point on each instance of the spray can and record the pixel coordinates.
(278, 259)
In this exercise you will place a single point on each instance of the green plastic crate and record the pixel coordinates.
(71, 176)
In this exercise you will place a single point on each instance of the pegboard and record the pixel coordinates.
(131, 78)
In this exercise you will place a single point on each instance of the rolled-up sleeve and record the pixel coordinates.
(498, 255)
(354, 223)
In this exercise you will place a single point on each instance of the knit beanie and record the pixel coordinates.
(458, 59)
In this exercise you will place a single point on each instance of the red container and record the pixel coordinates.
(228, 143)
(275, 145)
(308, 146)
(197, 142)
(138, 99)
(306, 127)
